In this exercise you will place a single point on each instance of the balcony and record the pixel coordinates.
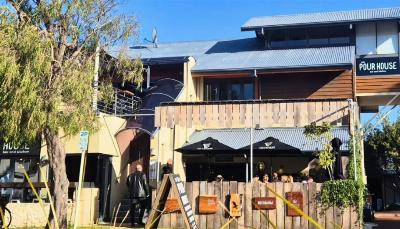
(262, 113)
(124, 103)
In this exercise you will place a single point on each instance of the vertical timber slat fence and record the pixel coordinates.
(253, 218)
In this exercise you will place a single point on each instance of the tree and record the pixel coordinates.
(385, 144)
(47, 51)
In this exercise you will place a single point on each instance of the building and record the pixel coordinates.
(207, 104)
(295, 70)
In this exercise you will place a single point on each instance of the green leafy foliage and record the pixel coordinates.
(339, 193)
(385, 144)
(323, 135)
(47, 56)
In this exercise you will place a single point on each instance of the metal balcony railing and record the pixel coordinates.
(124, 103)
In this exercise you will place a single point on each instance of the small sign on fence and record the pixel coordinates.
(208, 204)
(296, 198)
(264, 203)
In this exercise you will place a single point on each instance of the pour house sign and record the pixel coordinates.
(377, 66)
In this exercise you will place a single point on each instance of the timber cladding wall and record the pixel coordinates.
(379, 84)
(253, 218)
(312, 85)
(282, 113)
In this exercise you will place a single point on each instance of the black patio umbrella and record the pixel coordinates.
(207, 145)
(271, 145)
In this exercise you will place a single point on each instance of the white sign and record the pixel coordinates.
(83, 140)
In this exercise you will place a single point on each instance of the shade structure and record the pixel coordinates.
(207, 145)
(272, 146)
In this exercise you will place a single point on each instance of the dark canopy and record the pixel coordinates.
(272, 145)
(208, 144)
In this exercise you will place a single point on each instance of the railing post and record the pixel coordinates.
(115, 102)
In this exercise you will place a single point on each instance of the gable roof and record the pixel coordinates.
(321, 18)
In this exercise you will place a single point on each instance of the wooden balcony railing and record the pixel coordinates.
(263, 113)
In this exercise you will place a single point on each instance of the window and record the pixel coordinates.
(387, 38)
(297, 38)
(310, 37)
(11, 171)
(227, 89)
(339, 35)
(377, 38)
(318, 37)
(278, 39)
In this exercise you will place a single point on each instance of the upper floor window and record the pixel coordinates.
(226, 89)
(309, 37)
(377, 38)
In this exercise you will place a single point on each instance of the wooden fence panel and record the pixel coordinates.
(228, 118)
(346, 219)
(210, 217)
(196, 115)
(272, 213)
(208, 116)
(195, 195)
(256, 218)
(215, 116)
(203, 191)
(297, 187)
(275, 114)
(203, 117)
(236, 114)
(218, 217)
(233, 188)
(263, 213)
(189, 118)
(312, 203)
(287, 187)
(320, 213)
(280, 207)
(306, 203)
(248, 115)
(242, 190)
(223, 113)
(282, 115)
(248, 216)
(225, 193)
(329, 218)
(256, 213)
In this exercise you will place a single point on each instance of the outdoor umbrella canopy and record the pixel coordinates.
(272, 145)
(208, 144)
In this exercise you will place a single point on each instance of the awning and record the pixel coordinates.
(271, 145)
(290, 138)
(207, 145)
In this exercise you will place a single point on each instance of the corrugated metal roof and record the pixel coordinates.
(240, 137)
(322, 18)
(243, 54)
(276, 59)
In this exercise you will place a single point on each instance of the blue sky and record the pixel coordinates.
(187, 20)
(193, 20)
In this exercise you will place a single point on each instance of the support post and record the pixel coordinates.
(251, 152)
(78, 191)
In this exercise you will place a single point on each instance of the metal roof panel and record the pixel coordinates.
(240, 137)
(322, 18)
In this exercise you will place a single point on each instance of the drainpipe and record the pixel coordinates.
(148, 77)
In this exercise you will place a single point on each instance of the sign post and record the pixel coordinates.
(83, 146)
